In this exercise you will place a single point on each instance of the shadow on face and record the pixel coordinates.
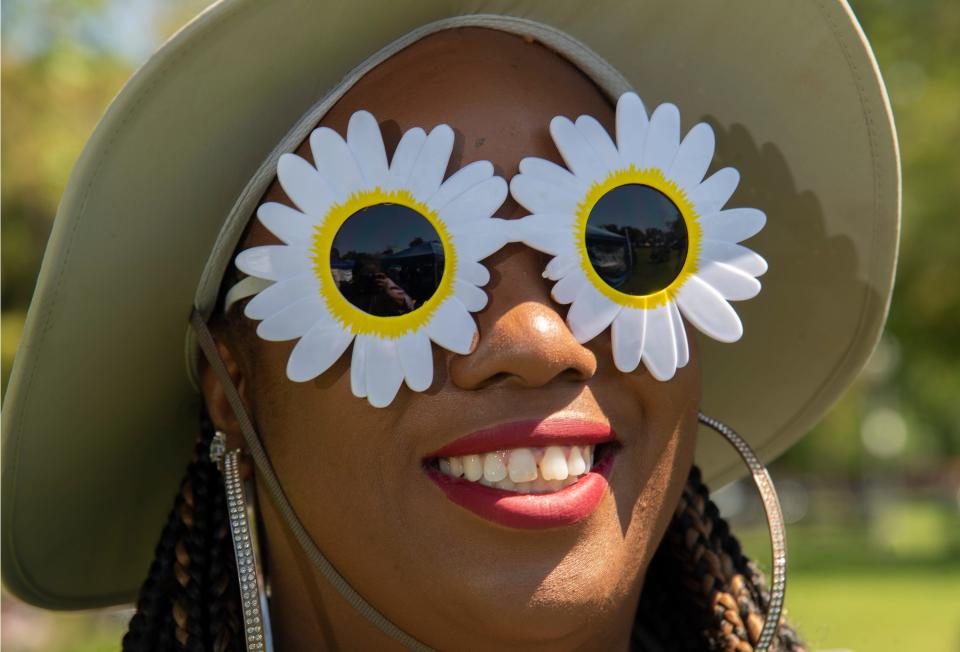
(355, 474)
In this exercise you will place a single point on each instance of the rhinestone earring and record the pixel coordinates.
(246, 549)
(778, 536)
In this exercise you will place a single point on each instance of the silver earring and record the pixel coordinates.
(778, 536)
(246, 549)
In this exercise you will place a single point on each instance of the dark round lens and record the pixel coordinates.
(387, 260)
(636, 239)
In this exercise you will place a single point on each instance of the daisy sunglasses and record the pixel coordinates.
(386, 255)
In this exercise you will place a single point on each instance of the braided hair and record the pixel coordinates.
(190, 600)
(701, 592)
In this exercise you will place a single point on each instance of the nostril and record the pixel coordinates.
(493, 380)
(573, 374)
(570, 374)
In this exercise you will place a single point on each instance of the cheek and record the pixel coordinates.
(659, 424)
(322, 435)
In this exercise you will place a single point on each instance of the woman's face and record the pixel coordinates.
(358, 476)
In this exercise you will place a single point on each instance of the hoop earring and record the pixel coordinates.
(778, 536)
(246, 548)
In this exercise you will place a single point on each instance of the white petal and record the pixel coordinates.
(472, 297)
(288, 224)
(478, 203)
(416, 360)
(335, 163)
(358, 367)
(733, 224)
(553, 174)
(708, 311)
(560, 266)
(599, 140)
(452, 327)
(274, 262)
(481, 239)
(366, 143)
(550, 233)
(280, 295)
(715, 191)
(317, 351)
(632, 123)
(626, 335)
(305, 187)
(475, 273)
(732, 254)
(693, 157)
(431, 164)
(384, 373)
(679, 336)
(590, 313)
(294, 320)
(459, 182)
(730, 282)
(567, 288)
(576, 151)
(659, 346)
(540, 194)
(408, 149)
(663, 138)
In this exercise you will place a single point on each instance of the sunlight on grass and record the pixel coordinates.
(877, 611)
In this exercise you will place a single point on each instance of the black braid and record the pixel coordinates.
(190, 600)
(701, 592)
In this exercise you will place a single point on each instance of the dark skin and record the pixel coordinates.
(353, 472)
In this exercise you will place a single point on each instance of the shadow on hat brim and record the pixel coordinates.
(100, 417)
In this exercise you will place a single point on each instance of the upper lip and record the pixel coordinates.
(554, 431)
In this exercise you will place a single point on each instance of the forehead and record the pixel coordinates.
(498, 92)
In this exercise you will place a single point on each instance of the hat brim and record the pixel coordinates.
(100, 416)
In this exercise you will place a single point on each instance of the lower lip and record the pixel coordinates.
(529, 511)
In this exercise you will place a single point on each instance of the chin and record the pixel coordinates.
(538, 586)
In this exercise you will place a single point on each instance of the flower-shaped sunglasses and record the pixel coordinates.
(386, 255)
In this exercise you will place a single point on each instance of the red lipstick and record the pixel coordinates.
(530, 510)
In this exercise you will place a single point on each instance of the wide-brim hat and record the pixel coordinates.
(101, 413)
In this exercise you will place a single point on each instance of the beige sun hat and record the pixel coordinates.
(101, 414)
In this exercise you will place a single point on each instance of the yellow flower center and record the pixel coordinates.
(348, 315)
(653, 178)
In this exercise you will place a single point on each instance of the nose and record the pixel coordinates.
(523, 339)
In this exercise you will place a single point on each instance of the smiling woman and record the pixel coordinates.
(406, 439)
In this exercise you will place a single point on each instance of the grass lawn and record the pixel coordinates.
(895, 586)
(877, 611)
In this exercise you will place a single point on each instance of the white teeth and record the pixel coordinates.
(576, 464)
(493, 467)
(523, 467)
(553, 466)
(523, 470)
(472, 467)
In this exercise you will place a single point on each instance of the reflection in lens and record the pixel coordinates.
(387, 259)
(636, 239)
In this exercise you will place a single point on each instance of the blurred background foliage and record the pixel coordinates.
(872, 495)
